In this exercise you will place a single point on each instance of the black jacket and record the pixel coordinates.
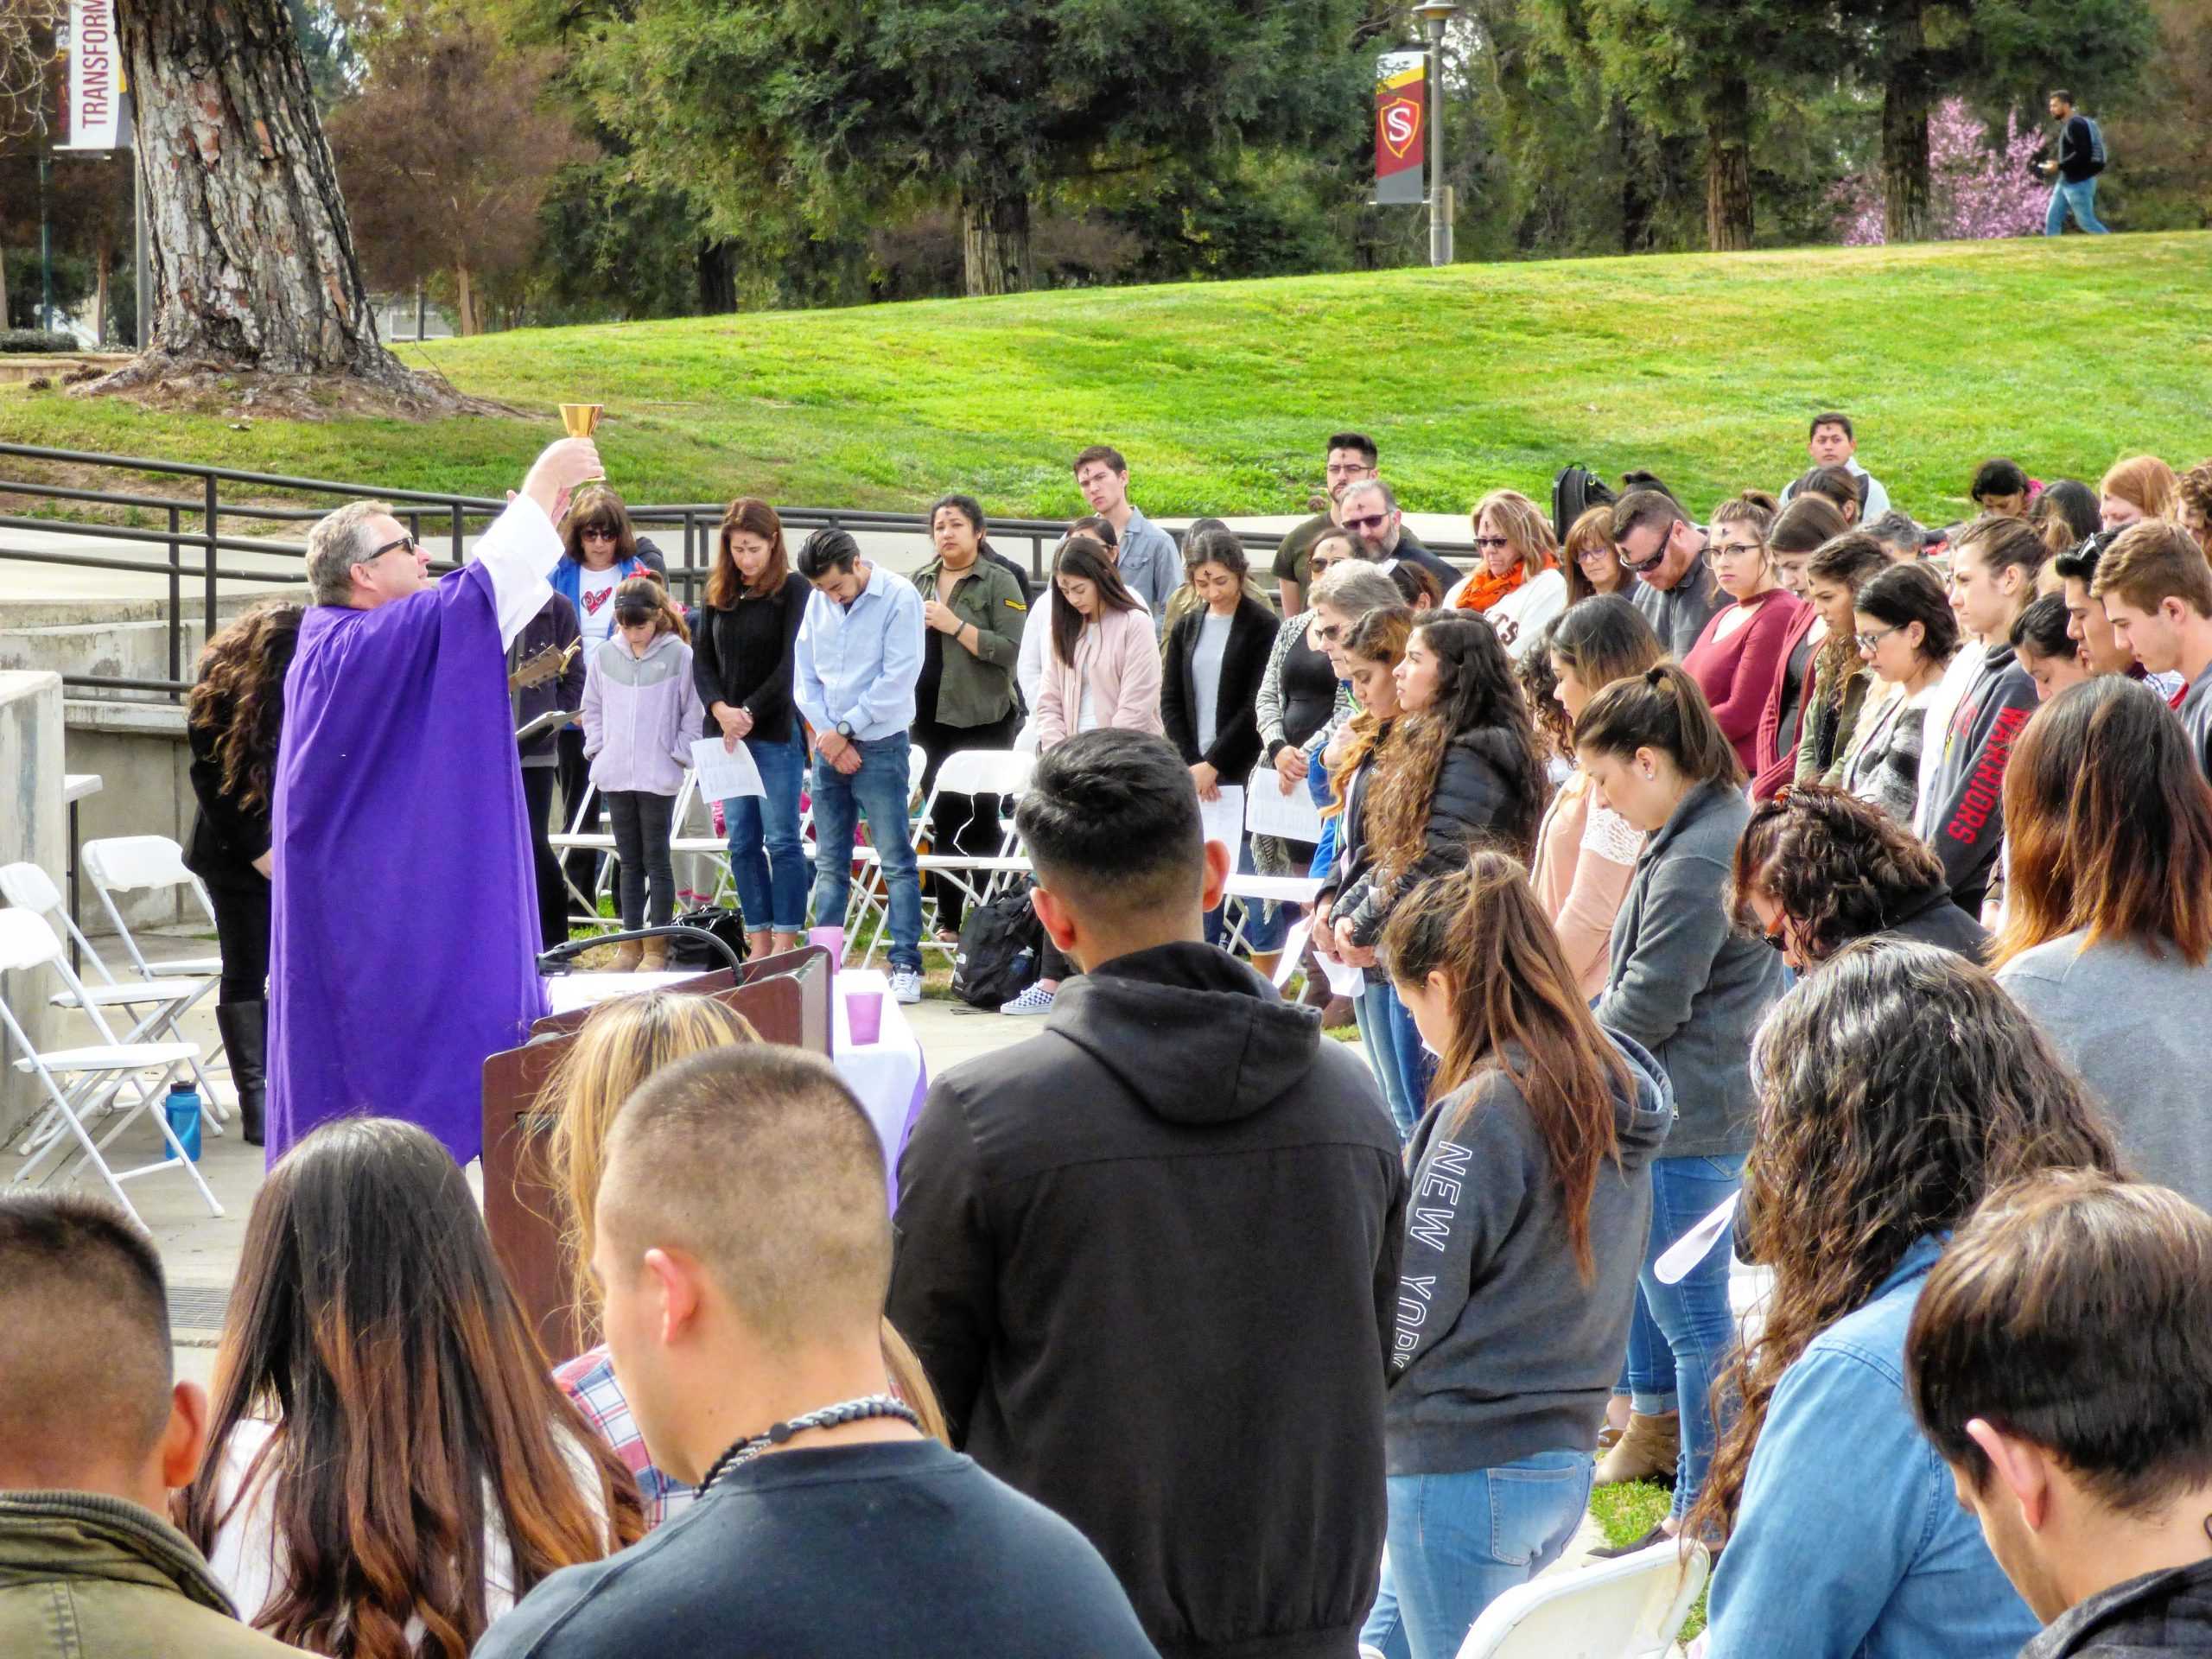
(742, 656)
(554, 625)
(2076, 151)
(1473, 800)
(2160, 1612)
(226, 836)
(1028, 586)
(1935, 919)
(1236, 747)
(1149, 1259)
(1965, 825)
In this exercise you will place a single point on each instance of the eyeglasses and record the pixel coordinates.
(406, 542)
(1486, 542)
(1726, 549)
(1328, 633)
(1371, 521)
(1872, 641)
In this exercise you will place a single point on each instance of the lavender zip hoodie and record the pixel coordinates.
(640, 713)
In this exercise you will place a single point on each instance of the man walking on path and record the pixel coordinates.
(2074, 187)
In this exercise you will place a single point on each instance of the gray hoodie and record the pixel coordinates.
(640, 714)
(1502, 1350)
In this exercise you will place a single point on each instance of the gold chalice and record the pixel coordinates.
(580, 420)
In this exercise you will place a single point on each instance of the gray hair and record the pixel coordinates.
(340, 541)
(1390, 495)
(1353, 587)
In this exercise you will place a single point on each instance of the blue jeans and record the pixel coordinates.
(1262, 932)
(1457, 1543)
(2082, 199)
(1680, 1334)
(764, 850)
(1402, 1065)
(878, 791)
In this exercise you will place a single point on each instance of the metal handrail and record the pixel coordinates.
(698, 521)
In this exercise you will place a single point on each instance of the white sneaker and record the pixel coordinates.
(1035, 999)
(906, 985)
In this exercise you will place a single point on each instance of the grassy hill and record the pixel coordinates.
(2063, 354)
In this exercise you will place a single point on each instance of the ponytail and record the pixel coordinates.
(1662, 708)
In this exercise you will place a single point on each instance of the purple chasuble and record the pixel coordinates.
(405, 910)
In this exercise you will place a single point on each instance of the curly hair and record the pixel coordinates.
(1478, 704)
(1539, 677)
(2193, 490)
(1897, 1086)
(240, 697)
(1840, 868)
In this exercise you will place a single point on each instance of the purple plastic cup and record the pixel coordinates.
(864, 1016)
(831, 939)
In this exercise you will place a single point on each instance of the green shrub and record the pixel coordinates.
(36, 340)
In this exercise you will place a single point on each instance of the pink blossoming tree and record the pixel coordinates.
(1978, 189)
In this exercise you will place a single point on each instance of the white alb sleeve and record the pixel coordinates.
(518, 553)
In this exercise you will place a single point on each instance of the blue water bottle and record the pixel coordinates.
(183, 1108)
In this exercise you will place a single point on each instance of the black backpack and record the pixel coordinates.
(1000, 946)
(1574, 492)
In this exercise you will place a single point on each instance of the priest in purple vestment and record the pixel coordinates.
(405, 910)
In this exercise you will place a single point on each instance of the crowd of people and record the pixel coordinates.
(1794, 857)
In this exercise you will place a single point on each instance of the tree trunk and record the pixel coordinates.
(717, 264)
(464, 310)
(1904, 161)
(1728, 168)
(5, 320)
(251, 256)
(1636, 202)
(995, 235)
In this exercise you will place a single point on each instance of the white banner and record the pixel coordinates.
(95, 77)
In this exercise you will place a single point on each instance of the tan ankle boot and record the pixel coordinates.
(1647, 1451)
(627, 957)
(655, 960)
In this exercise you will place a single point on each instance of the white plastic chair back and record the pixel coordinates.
(986, 771)
(121, 863)
(29, 887)
(27, 940)
(1629, 1608)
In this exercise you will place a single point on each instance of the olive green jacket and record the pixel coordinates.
(82, 1576)
(977, 688)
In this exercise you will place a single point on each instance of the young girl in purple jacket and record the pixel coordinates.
(640, 713)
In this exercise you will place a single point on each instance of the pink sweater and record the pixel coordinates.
(1738, 674)
(1117, 657)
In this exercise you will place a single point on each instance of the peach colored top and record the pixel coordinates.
(1585, 856)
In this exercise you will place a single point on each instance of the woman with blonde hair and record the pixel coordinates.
(1517, 586)
(2136, 488)
(622, 1044)
(1592, 559)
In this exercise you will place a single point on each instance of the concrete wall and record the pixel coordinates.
(32, 829)
(145, 765)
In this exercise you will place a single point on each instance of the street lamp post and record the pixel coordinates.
(1436, 14)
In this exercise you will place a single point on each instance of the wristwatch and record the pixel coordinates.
(845, 730)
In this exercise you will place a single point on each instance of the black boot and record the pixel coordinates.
(244, 1027)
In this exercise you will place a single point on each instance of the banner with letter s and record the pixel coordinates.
(1401, 126)
(96, 81)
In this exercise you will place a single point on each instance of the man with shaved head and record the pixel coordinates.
(94, 1435)
(743, 1246)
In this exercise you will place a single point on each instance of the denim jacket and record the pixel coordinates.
(1850, 1541)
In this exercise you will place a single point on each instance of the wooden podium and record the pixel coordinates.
(786, 999)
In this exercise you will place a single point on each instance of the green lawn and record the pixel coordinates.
(1704, 368)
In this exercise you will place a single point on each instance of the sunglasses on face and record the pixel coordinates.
(595, 533)
(1486, 542)
(1371, 521)
(407, 542)
(1328, 633)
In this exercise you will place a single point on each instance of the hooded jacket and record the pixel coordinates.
(1966, 821)
(83, 1576)
(640, 714)
(1149, 1260)
(1502, 1350)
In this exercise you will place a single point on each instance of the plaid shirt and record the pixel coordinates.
(588, 1379)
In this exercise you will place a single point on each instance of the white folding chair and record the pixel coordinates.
(1262, 889)
(1629, 1608)
(128, 863)
(1002, 772)
(577, 838)
(97, 1071)
(165, 1001)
